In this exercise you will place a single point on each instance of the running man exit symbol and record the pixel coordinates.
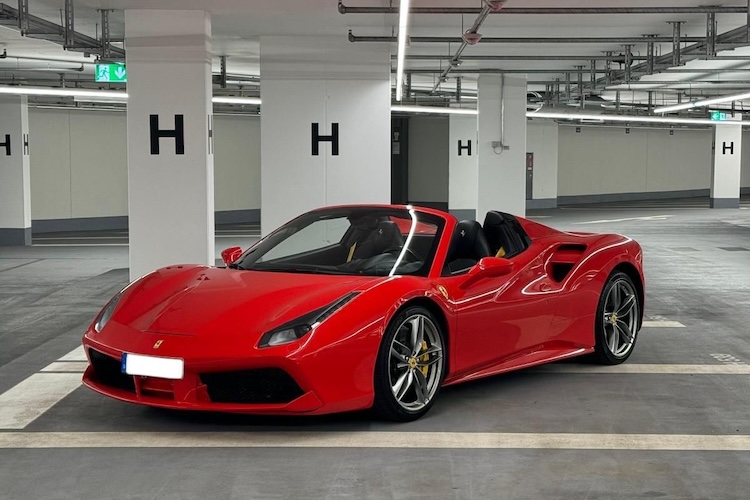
(111, 73)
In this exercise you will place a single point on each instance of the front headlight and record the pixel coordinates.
(300, 327)
(106, 313)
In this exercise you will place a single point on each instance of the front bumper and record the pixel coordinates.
(282, 382)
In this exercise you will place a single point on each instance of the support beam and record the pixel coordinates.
(69, 25)
(710, 34)
(676, 46)
(106, 49)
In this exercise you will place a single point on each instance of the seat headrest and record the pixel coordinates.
(468, 242)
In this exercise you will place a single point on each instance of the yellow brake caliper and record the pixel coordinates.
(424, 358)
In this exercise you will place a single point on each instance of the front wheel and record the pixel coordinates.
(618, 319)
(410, 366)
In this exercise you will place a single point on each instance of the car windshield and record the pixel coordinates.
(366, 241)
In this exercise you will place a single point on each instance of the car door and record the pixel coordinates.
(498, 319)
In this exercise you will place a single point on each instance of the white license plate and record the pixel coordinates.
(150, 366)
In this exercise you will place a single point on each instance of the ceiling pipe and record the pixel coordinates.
(513, 40)
(470, 36)
(343, 9)
(430, 57)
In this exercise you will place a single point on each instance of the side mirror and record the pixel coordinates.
(230, 255)
(488, 267)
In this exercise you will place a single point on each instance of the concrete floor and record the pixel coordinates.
(661, 430)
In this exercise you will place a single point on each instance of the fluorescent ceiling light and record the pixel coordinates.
(434, 110)
(703, 103)
(630, 119)
(122, 96)
(236, 100)
(403, 19)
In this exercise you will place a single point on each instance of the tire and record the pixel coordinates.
(410, 367)
(618, 318)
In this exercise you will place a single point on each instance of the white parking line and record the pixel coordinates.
(646, 218)
(654, 369)
(66, 366)
(367, 439)
(76, 354)
(662, 324)
(23, 403)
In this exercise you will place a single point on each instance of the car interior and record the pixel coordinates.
(501, 236)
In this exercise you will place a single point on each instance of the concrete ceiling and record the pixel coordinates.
(238, 24)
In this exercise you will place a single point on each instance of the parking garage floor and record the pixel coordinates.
(671, 423)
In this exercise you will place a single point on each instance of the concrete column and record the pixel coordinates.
(502, 145)
(15, 183)
(462, 168)
(170, 138)
(325, 125)
(727, 164)
(542, 145)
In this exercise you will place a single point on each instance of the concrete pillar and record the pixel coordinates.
(15, 184)
(325, 125)
(170, 138)
(462, 168)
(727, 164)
(541, 163)
(502, 145)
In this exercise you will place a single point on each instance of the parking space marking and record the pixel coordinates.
(627, 219)
(648, 368)
(370, 439)
(24, 402)
(66, 366)
(662, 324)
(76, 354)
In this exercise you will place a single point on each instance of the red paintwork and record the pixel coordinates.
(213, 318)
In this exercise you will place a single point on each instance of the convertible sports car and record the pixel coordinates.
(356, 307)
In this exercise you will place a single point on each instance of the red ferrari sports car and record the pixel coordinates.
(356, 307)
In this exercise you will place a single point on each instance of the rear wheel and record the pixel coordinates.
(410, 366)
(618, 319)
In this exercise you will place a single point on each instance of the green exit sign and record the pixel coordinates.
(719, 116)
(111, 73)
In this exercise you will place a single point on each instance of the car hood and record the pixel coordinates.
(199, 300)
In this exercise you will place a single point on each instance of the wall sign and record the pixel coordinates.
(6, 144)
(333, 139)
(178, 133)
(462, 148)
(111, 73)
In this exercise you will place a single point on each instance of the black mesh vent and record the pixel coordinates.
(107, 371)
(267, 385)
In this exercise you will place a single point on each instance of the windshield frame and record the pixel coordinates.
(414, 216)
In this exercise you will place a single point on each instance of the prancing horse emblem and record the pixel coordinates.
(158, 344)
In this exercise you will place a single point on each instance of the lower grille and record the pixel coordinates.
(107, 371)
(267, 385)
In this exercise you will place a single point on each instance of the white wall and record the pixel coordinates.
(542, 140)
(237, 162)
(79, 163)
(428, 158)
(463, 164)
(745, 174)
(607, 160)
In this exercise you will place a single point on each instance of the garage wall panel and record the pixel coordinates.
(542, 140)
(745, 172)
(49, 156)
(98, 164)
(428, 159)
(237, 162)
(609, 161)
(79, 164)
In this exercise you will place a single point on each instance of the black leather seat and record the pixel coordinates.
(505, 235)
(385, 236)
(468, 246)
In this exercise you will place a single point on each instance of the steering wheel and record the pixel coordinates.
(409, 251)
